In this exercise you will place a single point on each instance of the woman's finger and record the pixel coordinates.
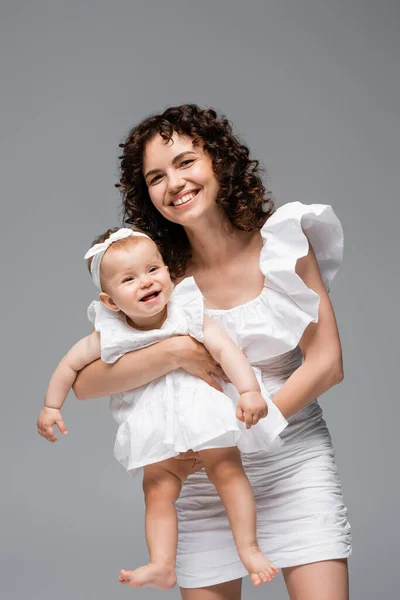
(208, 378)
(255, 419)
(218, 372)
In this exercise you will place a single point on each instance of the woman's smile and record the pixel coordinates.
(175, 173)
(184, 199)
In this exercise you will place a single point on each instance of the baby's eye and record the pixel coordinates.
(153, 269)
(126, 279)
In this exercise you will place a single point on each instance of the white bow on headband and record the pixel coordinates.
(97, 251)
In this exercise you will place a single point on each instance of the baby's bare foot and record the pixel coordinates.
(259, 567)
(151, 575)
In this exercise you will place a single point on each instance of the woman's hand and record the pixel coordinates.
(46, 420)
(251, 407)
(196, 360)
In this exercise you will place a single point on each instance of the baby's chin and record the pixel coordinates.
(148, 318)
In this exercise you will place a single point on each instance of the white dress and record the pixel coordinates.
(301, 516)
(176, 412)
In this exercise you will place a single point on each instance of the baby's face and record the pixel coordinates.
(136, 278)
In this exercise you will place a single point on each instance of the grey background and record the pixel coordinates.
(312, 86)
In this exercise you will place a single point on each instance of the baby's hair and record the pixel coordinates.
(104, 236)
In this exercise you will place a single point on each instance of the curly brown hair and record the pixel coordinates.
(241, 193)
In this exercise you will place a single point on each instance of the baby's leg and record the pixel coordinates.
(162, 483)
(224, 469)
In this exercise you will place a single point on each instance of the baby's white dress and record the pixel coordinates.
(301, 516)
(176, 412)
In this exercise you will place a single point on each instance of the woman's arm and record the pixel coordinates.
(138, 368)
(320, 344)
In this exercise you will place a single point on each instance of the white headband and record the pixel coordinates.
(97, 251)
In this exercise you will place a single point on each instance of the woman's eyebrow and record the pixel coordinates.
(179, 157)
(175, 160)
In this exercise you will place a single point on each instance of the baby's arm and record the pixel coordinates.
(81, 354)
(251, 406)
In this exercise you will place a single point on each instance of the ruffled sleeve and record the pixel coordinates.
(286, 237)
(116, 337)
(188, 300)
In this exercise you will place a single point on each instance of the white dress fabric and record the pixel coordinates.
(176, 412)
(301, 516)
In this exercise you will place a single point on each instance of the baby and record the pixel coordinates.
(139, 306)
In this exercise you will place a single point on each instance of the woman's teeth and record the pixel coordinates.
(184, 199)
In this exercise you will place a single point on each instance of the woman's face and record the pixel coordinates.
(180, 179)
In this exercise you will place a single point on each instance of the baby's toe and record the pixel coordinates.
(255, 579)
(123, 576)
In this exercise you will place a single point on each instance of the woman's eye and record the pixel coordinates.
(186, 163)
(153, 269)
(155, 179)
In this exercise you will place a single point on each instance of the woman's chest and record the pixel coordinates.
(232, 285)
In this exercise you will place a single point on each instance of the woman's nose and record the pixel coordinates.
(176, 182)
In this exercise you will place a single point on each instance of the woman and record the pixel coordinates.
(187, 181)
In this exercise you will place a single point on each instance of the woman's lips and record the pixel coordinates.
(185, 204)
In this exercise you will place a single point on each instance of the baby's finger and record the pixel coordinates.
(41, 427)
(248, 417)
(50, 435)
(61, 426)
(239, 414)
(255, 419)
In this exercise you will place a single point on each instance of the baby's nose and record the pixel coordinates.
(146, 281)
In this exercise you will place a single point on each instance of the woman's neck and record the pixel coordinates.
(216, 242)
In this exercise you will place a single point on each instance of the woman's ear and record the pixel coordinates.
(108, 302)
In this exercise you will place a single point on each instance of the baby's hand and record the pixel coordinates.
(251, 408)
(47, 418)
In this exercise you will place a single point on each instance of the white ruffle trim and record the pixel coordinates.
(188, 298)
(185, 317)
(272, 323)
(284, 243)
(265, 435)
